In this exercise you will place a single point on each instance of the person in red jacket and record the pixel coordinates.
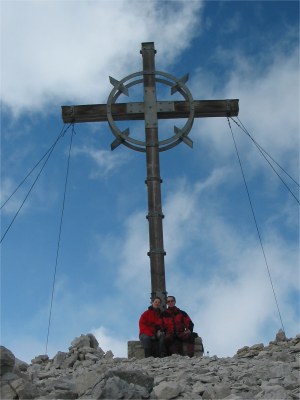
(151, 330)
(179, 328)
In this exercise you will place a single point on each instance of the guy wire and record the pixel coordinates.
(59, 238)
(255, 221)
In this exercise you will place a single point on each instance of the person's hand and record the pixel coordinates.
(159, 333)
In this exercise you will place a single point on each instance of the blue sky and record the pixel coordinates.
(62, 53)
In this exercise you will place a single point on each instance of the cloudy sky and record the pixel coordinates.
(57, 53)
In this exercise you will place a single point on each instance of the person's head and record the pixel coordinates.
(156, 302)
(171, 301)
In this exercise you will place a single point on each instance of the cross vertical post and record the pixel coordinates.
(153, 181)
(151, 111)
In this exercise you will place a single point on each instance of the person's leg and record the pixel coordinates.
(189, 341)
(179, 347)
(162, 346)
(154, 348)
(146, 342)
(174, 346)
(168, 343)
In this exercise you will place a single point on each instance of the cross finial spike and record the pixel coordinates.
(118, 141)
(119, 86)
(187, 141)
(184, 138)
(181, 81)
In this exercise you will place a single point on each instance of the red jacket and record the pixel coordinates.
(176, 321)
(150, 321)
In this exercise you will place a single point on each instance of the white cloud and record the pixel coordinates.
(217, 176)
(237, 309)
(10, 203)
(132, 260)
(108, 342)
(268, 93)
(62, 51)
(20, 197)
(273, 113)
(106, 161)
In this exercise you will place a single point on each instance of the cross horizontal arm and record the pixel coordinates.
(165, 110)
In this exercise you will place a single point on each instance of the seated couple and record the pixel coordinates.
(163, 333)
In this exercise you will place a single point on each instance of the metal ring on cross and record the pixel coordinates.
(177, 85)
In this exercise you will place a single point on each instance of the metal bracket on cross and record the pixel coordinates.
(122, 86)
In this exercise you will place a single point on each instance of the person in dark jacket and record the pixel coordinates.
(151, 330)
(179, 329)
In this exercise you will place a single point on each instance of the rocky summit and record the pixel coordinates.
(87, 372)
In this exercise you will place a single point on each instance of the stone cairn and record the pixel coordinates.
(87, 372)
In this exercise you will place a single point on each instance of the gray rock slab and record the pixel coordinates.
(84, 372)
(7, 360)
(167, 390)
(85, 381)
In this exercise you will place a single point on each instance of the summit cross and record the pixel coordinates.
(150, 111)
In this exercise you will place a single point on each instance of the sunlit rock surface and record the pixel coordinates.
(86, 371)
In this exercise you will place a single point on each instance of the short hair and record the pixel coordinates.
(173, 297)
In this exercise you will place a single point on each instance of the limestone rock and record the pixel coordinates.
(20, 365)
(109, 355)
(59, 359)
(167, 390)
(93, 341)
(86, 372)
(85, 380)
(134, 377)
(40, 359)
(24, 389)
(7, 360)
(6, 391)
(280, 336)
(81, 341)
(88, 340)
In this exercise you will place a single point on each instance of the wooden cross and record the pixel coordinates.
(151, 110)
